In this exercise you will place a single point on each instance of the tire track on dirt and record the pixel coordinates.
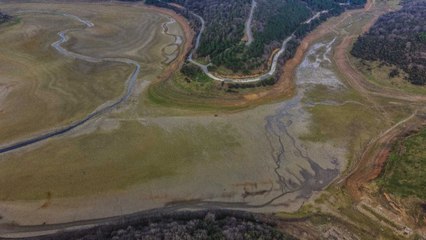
(369, 165)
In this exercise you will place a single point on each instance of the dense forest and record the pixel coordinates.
(216, 224)
(4, 18)
(274, 20)
(398, 38)
(226, 30)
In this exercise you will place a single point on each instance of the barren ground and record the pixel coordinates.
(321, 126)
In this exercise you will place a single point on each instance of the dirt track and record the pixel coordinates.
(376, 153)
(369, 166)
(354, 77)
(372, 160)
(285, 85)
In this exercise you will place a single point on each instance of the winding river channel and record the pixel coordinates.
(288, 170)
(63, 37)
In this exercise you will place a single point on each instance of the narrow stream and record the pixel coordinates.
(63, 37)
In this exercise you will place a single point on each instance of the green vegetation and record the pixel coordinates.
(182, 91)
(274, 20)
(306, 210)
(422, 37)
(108, 160)
(360, 225)
(194, 73)
(366, 227)
(224, 24)
(191, 88)
(319, 93)
(386, 75)
(398, 38)
(349, 121)
(404, 173)
(349, 125)
(379, 217)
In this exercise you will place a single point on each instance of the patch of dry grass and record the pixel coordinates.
(105, 161)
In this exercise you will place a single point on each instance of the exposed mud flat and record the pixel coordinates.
(261, 166)
(132, 160)
(304, 167)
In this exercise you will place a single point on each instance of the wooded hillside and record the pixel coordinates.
(274, 20)
(398, 38)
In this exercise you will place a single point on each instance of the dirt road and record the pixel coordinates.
(248, 32)
(372, 160)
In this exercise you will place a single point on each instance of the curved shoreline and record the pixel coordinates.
(130, 82)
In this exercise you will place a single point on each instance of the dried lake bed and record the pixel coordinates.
(137, 157)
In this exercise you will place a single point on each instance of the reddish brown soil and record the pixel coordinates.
(355, 78)
(376, 153)
(284, 88)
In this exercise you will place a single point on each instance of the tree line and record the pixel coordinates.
(197, 225)
(398, 38)
(274, 20)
